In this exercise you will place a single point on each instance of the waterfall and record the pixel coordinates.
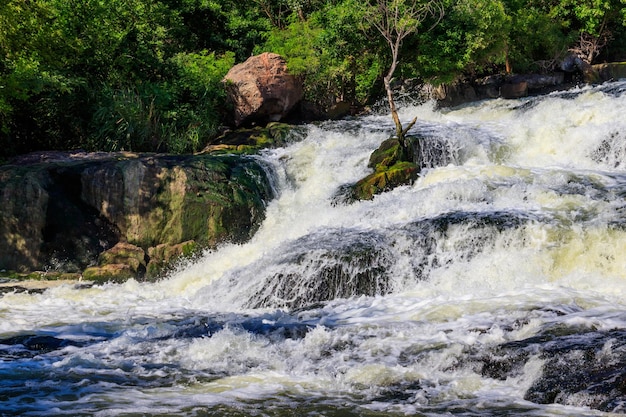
(493, 285)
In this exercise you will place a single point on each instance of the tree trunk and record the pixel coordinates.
(392, 107)
(400, 131)
(507, 62)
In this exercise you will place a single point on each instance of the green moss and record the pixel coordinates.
(108, 273)
(26, 276)
(401, 173)
(247, 141)
(164, 257)
(147, 200)
(391, 169)
(388, 153)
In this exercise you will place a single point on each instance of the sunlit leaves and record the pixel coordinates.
(297, 43)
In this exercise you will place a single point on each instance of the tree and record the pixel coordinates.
(395, 20)
(591, 21)
(335, 61)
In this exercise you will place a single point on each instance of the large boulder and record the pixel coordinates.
(171, 199)
(262, 90)
(63, 213)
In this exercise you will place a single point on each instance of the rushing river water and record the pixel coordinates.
(495, 285)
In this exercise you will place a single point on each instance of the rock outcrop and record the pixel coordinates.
(121, 262)
(393, 166)
(607, 72)
(67, 212)
(573, 69)
(262, 90)
(496, 86)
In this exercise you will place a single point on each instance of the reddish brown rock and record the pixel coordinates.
(262, 90)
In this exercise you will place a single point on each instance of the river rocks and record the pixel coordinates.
(496, 86)
(609, 71)
(580, 366)
(392, 168)
(66, 213)
(262, 90)
(164, 256)
(514, 90)
(251, 140)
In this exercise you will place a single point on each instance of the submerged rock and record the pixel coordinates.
(582, 367)
(343, 263)
(319, 268)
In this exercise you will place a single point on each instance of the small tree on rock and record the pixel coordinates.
(395, 20)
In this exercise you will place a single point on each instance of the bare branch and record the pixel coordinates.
(396, 20)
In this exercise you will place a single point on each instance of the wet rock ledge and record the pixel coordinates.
(113, 216)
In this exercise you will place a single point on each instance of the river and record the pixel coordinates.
(493, 286)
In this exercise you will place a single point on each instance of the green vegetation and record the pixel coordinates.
(145, 75)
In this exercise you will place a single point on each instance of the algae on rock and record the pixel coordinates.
(391, 169)
(60, 215)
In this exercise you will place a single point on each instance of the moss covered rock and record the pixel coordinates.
(109, 273)
(393, 166)
(385, 179)
(126, 254)
(251, 140)
(163, 256)
(388, 154)
(171, 199)
(60, 213)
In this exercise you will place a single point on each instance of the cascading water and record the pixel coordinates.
(495, 285)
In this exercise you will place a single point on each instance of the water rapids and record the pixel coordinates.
(494, 285)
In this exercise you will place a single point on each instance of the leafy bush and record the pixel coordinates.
(178, 117)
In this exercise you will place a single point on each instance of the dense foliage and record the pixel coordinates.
(145, 75)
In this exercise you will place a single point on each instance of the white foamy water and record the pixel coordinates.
(465, 293)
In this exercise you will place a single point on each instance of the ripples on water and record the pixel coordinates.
(492, 286)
